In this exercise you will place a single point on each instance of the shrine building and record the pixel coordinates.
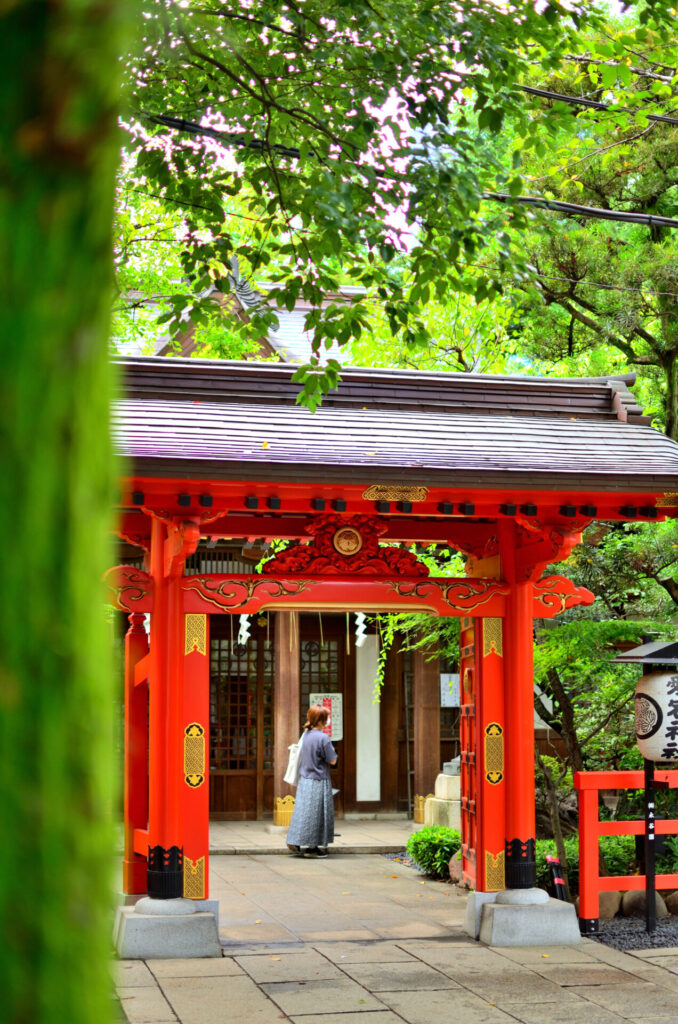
(220, 461)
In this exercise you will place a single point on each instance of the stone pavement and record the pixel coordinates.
(379, 835)
(366, 940)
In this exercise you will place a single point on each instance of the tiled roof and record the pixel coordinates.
(221, 420)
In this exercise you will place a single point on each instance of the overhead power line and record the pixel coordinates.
(581, 101)
(571, 209)
(590, 212)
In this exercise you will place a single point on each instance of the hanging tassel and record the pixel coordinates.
(230, 622)
(268, 631)
(348, 636)
(320, 622)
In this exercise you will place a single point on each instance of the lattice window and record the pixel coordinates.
(319, 669)
(233, 699)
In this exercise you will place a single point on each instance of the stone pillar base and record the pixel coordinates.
(521, 922)
(162, 929)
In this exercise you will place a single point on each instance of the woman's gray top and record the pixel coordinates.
(316, 753)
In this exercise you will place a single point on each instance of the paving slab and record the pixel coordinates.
(145, 1005)
(368, 1017)
(644, 953)
(533, 955)
(400, 977)
(568, 1013)
(410, 929)
(632, 999)
(336, 995)
(221, 1001)
(508, 986)
(132, 974)
(341, 935)
(448, 1007)
(567, 975)
(256, 933)
(309, 966)
(359, 952)
(667, 963)
(204, 968)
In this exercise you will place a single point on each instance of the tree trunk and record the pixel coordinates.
(670, 363)
(554, 813)
(59, 94)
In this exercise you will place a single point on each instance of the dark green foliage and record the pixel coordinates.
(59, 93)
(431, 848)
(619, 854)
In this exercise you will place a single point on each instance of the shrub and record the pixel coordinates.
(432, 847)
(619, 853)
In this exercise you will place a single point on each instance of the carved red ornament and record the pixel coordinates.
(345, 545)
(553, 594)
(131, 589)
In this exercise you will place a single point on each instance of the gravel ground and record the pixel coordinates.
(629, 933)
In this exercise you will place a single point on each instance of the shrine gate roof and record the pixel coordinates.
(214, 420)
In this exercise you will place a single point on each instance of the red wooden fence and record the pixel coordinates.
(591, 883)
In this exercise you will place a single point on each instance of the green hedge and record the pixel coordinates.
(432, 847)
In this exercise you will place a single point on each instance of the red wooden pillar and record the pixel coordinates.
(196, 725)
(136, 755)
(426, 700)
(490, 760)
(521, 868)
(166, 713)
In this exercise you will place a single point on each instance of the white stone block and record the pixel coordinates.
(448, 787)
(442, 812)
(534, 924)
(159, 937)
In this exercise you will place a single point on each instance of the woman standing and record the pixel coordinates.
(312, 824)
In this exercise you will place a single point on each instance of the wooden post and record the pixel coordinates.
(286, 726)
(426, 723)
(490, 759)
(521, 867)
(196, 731)
(166, 712)
(136, 754)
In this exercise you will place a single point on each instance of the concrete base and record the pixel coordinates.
(163, 929)
(474, 906)
(552, 923)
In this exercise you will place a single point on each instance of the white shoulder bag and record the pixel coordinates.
(291, 776)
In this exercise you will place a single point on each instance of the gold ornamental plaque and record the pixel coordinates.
(347, 541)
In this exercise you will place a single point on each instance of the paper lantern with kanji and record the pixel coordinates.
(656, 716)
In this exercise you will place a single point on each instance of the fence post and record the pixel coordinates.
(588, 861)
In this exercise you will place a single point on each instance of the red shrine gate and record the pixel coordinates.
(199, 474)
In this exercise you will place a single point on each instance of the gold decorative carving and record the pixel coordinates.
(494, 753)
(195, 634)
(234, 594)
(669, 499)
(493, 641)
(462, 594)
(194, 878)
(347, 541)
(556, 593)
(495, 874)
(386, 492)
(131, 588)
(194, 755)
(283, 807)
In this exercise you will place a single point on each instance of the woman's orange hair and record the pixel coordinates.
(317, 715)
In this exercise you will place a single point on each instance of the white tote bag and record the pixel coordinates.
(291, 776)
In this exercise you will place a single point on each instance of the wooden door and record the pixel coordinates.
(241, 720)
